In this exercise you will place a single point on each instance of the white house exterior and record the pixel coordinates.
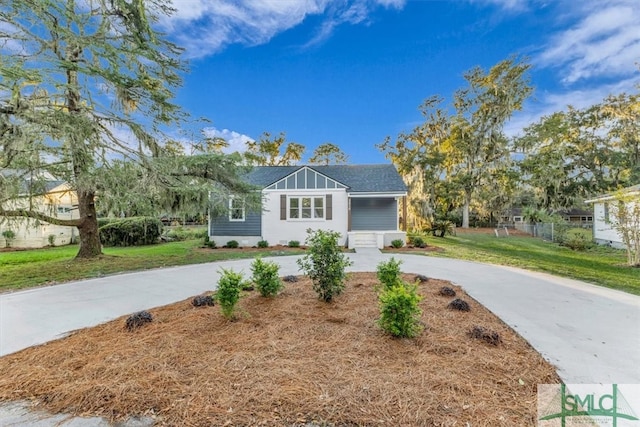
(358, 201)
(59, 201)
(603, 232)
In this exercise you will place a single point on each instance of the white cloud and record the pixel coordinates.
(204, 27)
(604, 42)
(236, 140)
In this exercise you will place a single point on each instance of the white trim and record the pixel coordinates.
(313, 207)
(372, 194)
(338, 185)
(231, 209)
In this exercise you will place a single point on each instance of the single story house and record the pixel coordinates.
(58, 200)
(361, 202)
(603, 215)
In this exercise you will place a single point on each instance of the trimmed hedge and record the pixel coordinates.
(134, 231)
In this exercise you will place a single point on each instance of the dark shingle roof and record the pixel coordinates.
(383, 178)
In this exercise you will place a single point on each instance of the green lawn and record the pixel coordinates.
(600, 265)
(22, 269)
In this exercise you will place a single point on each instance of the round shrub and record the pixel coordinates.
(399, 311)
(418, 242)
(460, 305)
(132, 231)
(578, 239)
(138, 319)
(397, 243)
(265, 276)
(232, 244)
(228, 294)
(293, 244)
(263, 244)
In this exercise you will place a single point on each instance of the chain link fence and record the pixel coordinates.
(553, 232)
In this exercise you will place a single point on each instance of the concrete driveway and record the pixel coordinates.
(591, 334)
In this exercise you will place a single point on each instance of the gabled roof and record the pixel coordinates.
(634, 189)
(380, 178)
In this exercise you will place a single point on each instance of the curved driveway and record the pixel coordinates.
(591, 334)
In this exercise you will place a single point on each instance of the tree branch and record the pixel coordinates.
(24, 213)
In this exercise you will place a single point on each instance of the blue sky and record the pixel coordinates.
(352, 72)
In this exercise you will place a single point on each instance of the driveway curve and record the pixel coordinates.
(591, 334)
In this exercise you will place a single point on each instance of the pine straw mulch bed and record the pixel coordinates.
(290, 360)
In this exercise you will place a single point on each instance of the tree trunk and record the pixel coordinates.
(465, 209)
(90, 246)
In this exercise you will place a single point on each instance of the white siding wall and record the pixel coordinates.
(603, 232)
(276, 231)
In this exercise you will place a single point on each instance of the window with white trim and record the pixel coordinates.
(306, 207)
(236, 209)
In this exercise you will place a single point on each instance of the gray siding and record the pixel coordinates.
(251, 226)
(374, 214)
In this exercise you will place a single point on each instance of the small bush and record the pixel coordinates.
(447, 292)
(486, 335)
(9, 236)
(210, 244)
(228, 294)
(51, 238)
(325, 263)
(138, 319)
(399, 311)
(389, 273)
(203, 300)
(418, 242)
(460, 305)
(263, 244)
(232, 244)
(578, 239)
(293, 244)
(265, 276)
(132, 231)
(397, 243)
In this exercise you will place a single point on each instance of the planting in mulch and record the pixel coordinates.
(460, 305)
(288, 360)
(290, 279)
(138, 319)
(203, 300)
(446, 291)
(486, 335)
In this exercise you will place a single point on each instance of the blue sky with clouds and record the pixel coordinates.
(352, 72)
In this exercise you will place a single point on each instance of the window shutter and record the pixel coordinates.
(283, 207)
(329, 207)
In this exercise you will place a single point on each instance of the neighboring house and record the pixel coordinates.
(603, 232)
(577, 216)
(58, 200)
(361, 202)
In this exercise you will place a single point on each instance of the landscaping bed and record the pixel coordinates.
(290, 360)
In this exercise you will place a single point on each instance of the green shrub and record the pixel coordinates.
(325, 263)
(399, 311)
(232, 244)
(389, 273)
(578, 239)
(266, 278)
(228, 294)
(263, 244)
(397, 243)
(51, 238)
(9, 236)
(132, 231)
(211, 244)
(181, 234)
(418, 242)
(294, 244)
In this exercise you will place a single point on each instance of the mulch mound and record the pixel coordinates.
(288, 361)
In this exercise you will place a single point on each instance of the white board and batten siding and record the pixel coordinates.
(278, 225)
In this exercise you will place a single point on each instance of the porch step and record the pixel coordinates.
(363, 240)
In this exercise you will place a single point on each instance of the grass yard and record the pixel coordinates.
(291, 360)
(23, 269)
(601, 265)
